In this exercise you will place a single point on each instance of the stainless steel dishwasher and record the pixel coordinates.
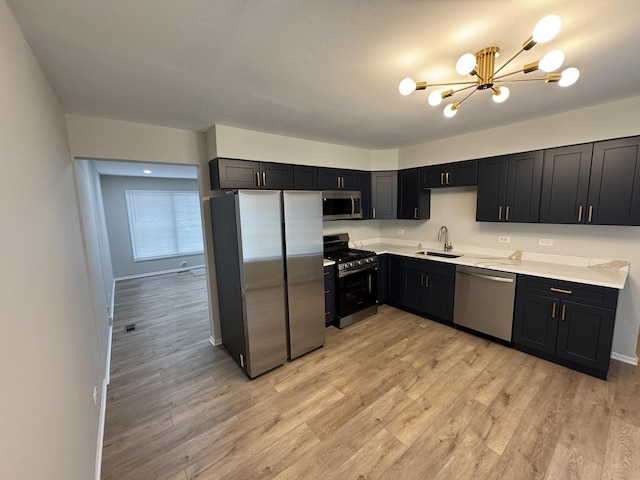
(483, 301)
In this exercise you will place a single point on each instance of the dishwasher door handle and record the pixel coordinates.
(487, 277)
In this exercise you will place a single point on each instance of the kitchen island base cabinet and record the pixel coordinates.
(566, 323)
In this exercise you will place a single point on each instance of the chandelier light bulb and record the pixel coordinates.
(547, 28)
(435, 98)
(407, 86)
(466, 64)
(450, 111)
(551, 61)
(502, 95)
(569, 77)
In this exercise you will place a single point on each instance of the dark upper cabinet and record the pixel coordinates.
(592, 183)
(234, 173)
(384, 194)
(337, 179)
(614, 186)
(509, 188)
(454, 174)
(569, 323)
(364, 185)
(413, 201)
(305, 177)
(565, 184)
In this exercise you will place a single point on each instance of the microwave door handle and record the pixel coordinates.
(353, 206)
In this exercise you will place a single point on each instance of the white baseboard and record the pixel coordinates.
(215, 341)
(161, 272)
(625, 358)
(103, 412)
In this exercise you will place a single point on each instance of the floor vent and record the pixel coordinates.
(129, 328)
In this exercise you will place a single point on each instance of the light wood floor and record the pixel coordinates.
(395, 396)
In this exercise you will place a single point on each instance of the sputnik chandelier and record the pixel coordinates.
(482, 66)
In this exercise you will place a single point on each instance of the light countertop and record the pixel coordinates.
(328, 262)
(592, 271)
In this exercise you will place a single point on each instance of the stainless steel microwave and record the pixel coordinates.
(341, 205)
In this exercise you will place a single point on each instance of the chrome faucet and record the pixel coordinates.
(444, 232)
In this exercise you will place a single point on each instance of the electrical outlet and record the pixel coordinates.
(545, 242)
(502, 239)
(401, 231)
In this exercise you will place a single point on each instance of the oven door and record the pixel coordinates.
(357, 294)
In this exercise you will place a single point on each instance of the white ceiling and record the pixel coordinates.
(325, 70)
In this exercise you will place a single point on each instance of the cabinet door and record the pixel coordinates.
(524, 180)
(305, 177)
(413, 202)
(384, 192)
(364, 185)
(614, 189)
(395, 279)
(349, 179)
(383, 279)
(440, 291)
(585, 334)
(232, 173)
(329, 178)
(462, 173)
(433, 176)
(276, 176)
(535, 322)
(565, 183)
(492, 189)
(414, 293)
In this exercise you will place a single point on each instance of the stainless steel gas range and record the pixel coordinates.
(356, 285)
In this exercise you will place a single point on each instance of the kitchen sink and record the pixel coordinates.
(439, 254)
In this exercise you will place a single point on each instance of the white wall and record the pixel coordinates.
(49, 349)
(100, 138)
(251, 145)
(115, 209)
(455, 208)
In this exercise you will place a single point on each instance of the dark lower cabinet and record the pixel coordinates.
(567, 323)
(423, 287)
(394, 280)
(329, 295)
(383, 278)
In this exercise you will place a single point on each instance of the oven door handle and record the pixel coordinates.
(346, 273)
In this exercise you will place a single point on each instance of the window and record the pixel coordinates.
(164, 224)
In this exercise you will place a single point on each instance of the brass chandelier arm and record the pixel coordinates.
(507, 63)
(549, 78)
(460, 102)
(448, 84)
(495, 79)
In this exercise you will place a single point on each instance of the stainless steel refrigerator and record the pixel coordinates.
(269, 269)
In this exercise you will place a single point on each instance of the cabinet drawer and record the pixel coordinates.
(429, 266)
(576, 292)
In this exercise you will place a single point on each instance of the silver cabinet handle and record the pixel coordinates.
(500, 212)
(441, 178)
(338, 179)
(415, 212)
(507, 215)
(258, 179)
(374, 213)
(264, 179)
(447, 176)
